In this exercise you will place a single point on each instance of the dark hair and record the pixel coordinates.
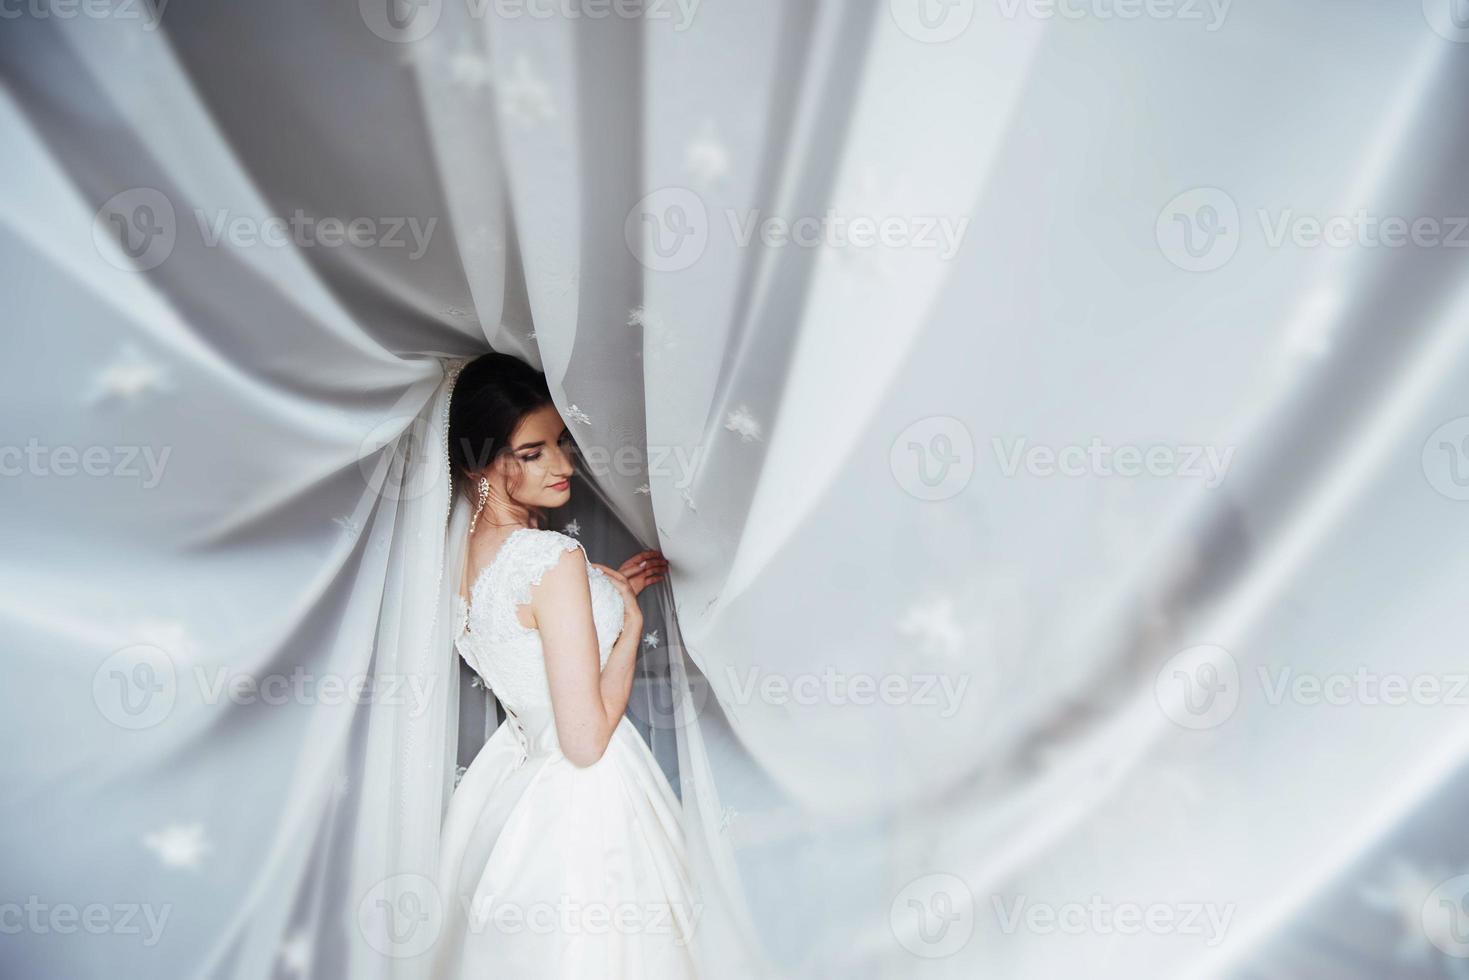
(492, 394)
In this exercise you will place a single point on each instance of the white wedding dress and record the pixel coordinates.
(548, 869)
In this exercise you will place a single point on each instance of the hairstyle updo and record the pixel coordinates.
(492, 394)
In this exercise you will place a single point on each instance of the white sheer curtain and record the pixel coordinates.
(910, 678)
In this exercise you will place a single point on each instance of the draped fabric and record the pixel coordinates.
(1054, 417)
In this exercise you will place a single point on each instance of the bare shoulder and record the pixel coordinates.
(553, 564)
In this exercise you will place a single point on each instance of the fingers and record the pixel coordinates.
(651, 576)
(646, 562)
(637, 573)
(611, 573)
(621, 582)
(639, 587)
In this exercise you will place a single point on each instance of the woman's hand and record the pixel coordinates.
(644, 569)
(640, 571)
(632, 613)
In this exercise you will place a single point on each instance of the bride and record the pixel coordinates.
(562, 852)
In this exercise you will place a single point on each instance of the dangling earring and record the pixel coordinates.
(484, 495)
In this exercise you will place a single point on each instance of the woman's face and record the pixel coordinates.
(541, 449)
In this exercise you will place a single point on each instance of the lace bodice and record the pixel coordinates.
(501, 650)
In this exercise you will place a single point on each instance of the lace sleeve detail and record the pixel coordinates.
(535, 556)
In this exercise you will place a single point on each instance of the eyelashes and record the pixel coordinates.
(565, 440)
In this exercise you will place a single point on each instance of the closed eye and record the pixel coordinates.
(564, 440)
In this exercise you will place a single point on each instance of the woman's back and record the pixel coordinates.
(535, 847)
(502, 650)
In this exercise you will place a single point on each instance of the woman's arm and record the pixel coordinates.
(617, 675)
(588, 702)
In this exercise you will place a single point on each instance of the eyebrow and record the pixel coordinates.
(538, 442)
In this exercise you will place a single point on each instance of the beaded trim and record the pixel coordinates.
(453, 369)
